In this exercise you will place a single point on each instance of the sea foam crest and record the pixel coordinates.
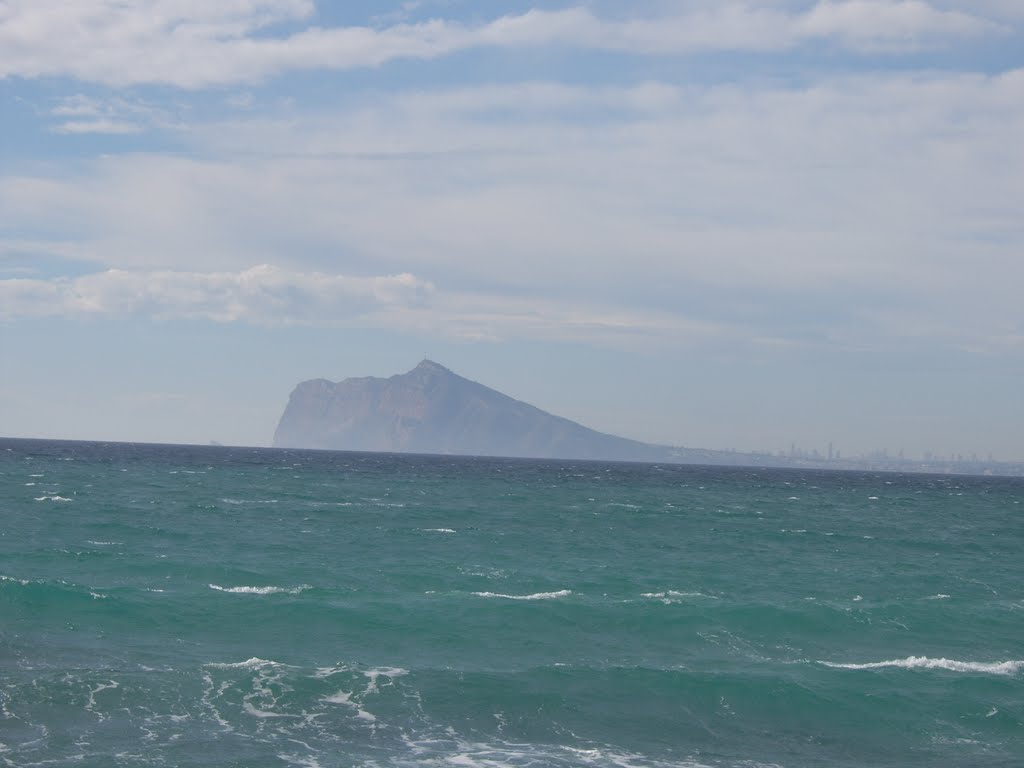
(253, 663)
(261, 590)
(454, 750)
(923, 662)
(534, 596)
(673, 596)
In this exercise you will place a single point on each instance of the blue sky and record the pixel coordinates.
(715, 224)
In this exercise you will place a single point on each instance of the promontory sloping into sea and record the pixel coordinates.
(430, 409)
(433, 410)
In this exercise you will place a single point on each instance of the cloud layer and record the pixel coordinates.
(197, 45)
(269, 296)
(262, 295)
(875, 204)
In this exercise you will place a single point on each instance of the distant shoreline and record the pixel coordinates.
(683, 457)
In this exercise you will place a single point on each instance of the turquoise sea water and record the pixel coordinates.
(193, 606)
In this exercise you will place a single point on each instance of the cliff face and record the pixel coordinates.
(432, 410)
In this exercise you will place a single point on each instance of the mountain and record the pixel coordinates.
(432, 410)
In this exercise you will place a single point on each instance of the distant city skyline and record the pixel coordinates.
(708, 223)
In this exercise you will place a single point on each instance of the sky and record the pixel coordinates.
(707, 223)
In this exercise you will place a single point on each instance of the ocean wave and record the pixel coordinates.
(438, 530)
(534, 596)
(249, 709)
(374, 672)
(254, 663)
(451, 749)
(261, 590)
(55, 497)
(924, 662)
(670, 596)
(345, 697)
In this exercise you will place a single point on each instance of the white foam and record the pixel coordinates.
(261, 590)
(91, 703)
(323, 672)
(453, 750)
(438, 530)
(104, 543)
(23, 582)
(254, 663)
(939, 596)
(388, 672)
(923, 662)
(304, 761)
(534, 596)
(670, 596)
(51, 498)
(345, 697)
(262, 713)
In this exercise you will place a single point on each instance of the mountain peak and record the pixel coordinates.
(426, 365)
(430, 409)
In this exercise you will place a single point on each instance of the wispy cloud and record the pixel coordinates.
(852, 200)
(269, 296)
(78, 114)
(190, 45)
(261, 295)
(888, 25)
(110, 127)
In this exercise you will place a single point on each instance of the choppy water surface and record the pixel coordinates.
(182, 606)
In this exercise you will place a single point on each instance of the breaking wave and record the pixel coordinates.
(534, 596)
(261, 590)
(923, 662)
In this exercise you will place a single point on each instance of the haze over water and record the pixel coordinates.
(188, 606)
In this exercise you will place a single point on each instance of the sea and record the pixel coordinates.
(212, 606)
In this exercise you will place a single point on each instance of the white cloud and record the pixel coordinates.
(269, 296)
(195, 45)
(875, 204)
(1010, 10)
(894, 25)
(113, 127)
(262, 295)
(79, 114)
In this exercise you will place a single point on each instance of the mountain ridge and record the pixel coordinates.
(431, 409)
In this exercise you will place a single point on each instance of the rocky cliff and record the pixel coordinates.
(432, 410)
